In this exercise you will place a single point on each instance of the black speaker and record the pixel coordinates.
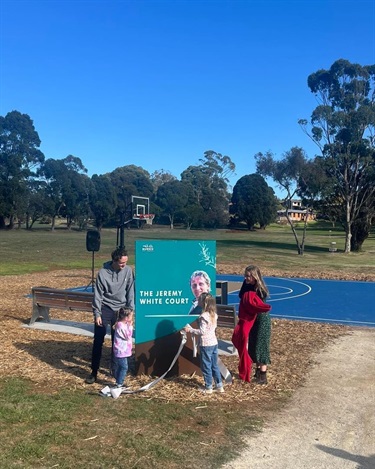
(93, 240)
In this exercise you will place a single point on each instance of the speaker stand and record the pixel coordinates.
(92, 282)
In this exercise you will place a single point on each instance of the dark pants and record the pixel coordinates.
(108, 318)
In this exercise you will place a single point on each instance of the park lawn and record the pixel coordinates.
(273, 249)
(50, 418)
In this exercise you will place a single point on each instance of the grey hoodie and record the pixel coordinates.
(113, 289)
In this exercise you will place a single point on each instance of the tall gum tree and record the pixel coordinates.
(66, 188)
(287, 172)
(210, 182)
(343, 127)
(20, 157)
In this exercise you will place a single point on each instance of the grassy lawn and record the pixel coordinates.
(75, 429)
(273, 248)
(58, 422)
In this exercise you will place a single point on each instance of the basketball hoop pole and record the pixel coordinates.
(122, 233)
(121, 228)
(132, 213)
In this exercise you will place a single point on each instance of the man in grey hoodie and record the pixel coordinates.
(114, 288)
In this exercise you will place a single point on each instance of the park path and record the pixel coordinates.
(330, 421)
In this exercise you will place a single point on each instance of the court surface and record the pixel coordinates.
(329, 301)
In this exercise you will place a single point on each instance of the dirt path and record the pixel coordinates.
(330, 422)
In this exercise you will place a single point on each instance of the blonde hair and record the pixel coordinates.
(260, 286)
(208, 304)
(204, 275)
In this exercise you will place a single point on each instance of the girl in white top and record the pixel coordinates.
(208, 343)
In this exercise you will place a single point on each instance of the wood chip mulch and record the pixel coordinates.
(53, 360)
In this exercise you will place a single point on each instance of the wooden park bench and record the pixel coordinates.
(227, 316)
(45, 298)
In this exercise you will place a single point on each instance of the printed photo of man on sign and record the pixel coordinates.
(170, 276)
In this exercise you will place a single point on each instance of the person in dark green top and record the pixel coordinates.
(260, 334)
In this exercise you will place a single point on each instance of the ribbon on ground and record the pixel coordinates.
(150, 385)
(223, 370)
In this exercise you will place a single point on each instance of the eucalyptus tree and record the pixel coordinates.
(103, 200)
(343, 128)
(38, 203)
(288, 173)
(20, 156)
(66, 187)
(127, 181)
(160, 177)
(173, 199)
(253, 201)
(210, 182)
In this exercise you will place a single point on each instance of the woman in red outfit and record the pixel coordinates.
(250, 306)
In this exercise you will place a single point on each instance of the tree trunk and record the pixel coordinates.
(299, 247)
(360, 232)
(302, 245)
(348, 228)
(348, 237)
(11, 223)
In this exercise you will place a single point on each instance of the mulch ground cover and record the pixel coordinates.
(54, 360)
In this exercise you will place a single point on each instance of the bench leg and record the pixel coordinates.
(39, 311)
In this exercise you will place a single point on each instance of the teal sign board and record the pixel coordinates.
(164, 301)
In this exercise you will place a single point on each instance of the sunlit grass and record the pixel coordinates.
(41, 249)
(72, 428)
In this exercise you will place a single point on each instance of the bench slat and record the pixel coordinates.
(45, 298)
(227, 316)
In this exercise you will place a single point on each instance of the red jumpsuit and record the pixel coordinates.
(250, 306)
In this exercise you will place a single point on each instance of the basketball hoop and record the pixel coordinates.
(147, 217)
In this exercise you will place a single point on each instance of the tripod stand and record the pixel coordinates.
(92, 244)
(92, 282)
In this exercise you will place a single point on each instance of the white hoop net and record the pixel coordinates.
(148, 218)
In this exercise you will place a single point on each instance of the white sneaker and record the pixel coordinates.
(121, 386)
(220, 389)
(206, 391)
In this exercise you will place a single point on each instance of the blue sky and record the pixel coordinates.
(157, 83)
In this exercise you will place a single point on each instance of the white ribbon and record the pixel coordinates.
(223, 370)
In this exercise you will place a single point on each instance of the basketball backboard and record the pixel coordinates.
(140, 207)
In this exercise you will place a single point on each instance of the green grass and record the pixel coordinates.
(42, 250)
(75, 429)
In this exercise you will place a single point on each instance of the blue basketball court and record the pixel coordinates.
(329, 301)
